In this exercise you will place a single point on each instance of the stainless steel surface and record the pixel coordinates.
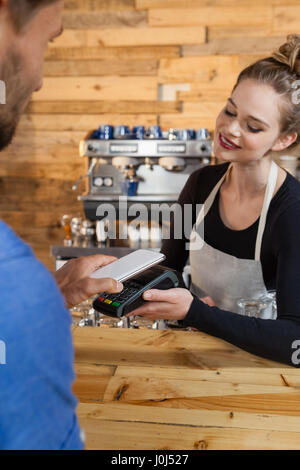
(139, 198)
(145, 148)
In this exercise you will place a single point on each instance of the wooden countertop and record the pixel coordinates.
(166, 389)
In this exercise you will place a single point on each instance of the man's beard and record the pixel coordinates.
(17, 96)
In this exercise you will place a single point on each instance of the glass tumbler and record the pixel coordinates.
(258, 308)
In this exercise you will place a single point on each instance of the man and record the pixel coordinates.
(37, 407)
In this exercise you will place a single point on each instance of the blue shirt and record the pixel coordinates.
(37, 406)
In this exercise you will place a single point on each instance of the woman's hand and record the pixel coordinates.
(74, 281)
(171, 304)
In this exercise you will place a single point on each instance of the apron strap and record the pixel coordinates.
(267, 200)
(209, 201)
(272, 178)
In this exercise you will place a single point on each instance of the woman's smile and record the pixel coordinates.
(226, 143)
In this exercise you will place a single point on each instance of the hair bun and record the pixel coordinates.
(289, 53)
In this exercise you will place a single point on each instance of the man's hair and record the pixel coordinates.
(22, 11)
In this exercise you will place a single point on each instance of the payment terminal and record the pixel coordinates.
(130, 298)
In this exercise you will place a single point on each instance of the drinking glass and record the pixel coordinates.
(258, 308)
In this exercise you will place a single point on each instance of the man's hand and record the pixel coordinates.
(171, 304)
(74, 281)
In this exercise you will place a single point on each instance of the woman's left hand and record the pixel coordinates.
(171, 304)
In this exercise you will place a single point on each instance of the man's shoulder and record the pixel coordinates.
(10, 244)
(23, 276)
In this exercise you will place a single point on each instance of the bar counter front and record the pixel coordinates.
(178, 390)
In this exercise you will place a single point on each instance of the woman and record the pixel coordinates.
(251, 235)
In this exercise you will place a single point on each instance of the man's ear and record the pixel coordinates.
(284, 141)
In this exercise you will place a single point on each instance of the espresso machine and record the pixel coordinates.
(148, 167)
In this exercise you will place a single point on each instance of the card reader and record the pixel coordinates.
(130, 298)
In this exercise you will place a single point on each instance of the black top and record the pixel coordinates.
(280, 258)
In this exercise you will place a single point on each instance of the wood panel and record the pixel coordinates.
(124, 37)
(184, 437)
(100, 67)
(199, 418)
(84, 53)
(103, 107)
(237, 31)
(238, 45)
(98, 88)
(106, 19)
(235, 16)
(99, 5)
(207, 70)
(148, 4)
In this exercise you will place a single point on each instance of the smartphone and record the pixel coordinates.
(130, 265)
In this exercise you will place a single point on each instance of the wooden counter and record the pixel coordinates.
(147, 389)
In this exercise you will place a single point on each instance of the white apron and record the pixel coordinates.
(221, 276)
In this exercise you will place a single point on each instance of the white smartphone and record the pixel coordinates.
(129, 265)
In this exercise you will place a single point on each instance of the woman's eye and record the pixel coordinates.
(253, 129)
(228, 112)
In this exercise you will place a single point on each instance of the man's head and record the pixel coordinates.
(26, 27)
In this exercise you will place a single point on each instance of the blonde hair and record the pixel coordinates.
(281, 71)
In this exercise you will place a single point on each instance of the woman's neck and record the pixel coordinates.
(245, 181)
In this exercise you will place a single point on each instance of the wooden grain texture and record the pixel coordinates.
(84, 53)
(206, 70)
(133, 436)
(286, 19)
(82, 122)
(234, 16)
(100, 68)
(105, 19)
(149, 4)
(130, 37)
(239, 31)
(98, 88)
(200, 418)
(189, 349)
(86, 5)
(148, 388)
(102, 107)
(234, 46)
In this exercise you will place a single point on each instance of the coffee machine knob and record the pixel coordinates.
(108, 181)
(98, 182)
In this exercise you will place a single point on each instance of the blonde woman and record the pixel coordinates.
(250, 221)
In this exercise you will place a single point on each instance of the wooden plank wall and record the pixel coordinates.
(113, 64)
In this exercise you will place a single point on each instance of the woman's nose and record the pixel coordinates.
(234, 128)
